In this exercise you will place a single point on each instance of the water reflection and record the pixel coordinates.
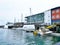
(18, 37)
(12, 37)
(42, 40)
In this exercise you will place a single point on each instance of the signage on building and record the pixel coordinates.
(56, 14)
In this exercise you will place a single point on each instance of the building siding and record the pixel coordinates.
(47, 17)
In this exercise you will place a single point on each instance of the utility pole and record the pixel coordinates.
(30, 11)
(30, 15)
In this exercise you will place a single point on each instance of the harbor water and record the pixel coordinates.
(20, 37)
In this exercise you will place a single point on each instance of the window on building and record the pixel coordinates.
(57, 16)
(57, 11)
(53, 11)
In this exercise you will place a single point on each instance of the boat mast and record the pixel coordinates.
(21, 17)
(14, 20)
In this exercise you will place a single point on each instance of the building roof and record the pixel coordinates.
(55, 8)
(35, 14)
(43, 12)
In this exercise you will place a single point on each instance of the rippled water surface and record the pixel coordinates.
(18, 37)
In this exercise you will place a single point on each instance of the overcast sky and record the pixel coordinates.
(10, 9)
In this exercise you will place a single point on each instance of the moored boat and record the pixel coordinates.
(42, 31)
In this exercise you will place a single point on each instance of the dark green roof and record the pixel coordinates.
(55, 8)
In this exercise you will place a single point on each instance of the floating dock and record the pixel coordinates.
(55, 34)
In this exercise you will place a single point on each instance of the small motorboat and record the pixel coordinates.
(43, 31)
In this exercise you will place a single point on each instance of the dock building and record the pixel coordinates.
(48, 17)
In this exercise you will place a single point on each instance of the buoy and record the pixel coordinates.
(35, 33)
